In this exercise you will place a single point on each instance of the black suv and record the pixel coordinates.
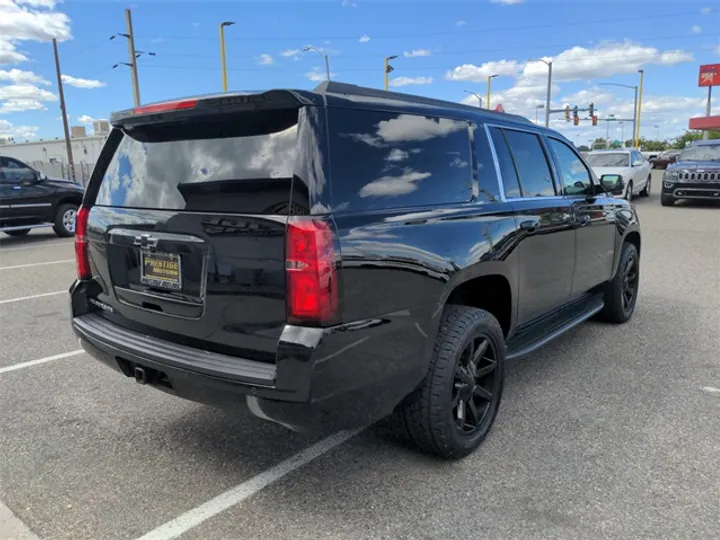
(30, 200)
(695, 174)
(330, 257)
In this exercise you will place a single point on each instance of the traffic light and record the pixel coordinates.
(567, 113)
(592, 109)
(576, 120)
(594, 119)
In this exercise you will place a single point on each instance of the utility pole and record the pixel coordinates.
(223, 64)
(639, 110)
(68, 145)
(133, 57)
(706, 133)
(489, 83)
(324, 57)
(549, 91)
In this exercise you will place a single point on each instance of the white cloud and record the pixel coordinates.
(9, 55)
(8, 129)
(417, 52)
(25, 91)
(20, 22)
(460, 23)
(265, 60)
(86, 119)
(706, 11)
(406, 81)
(364, 39)
(318, 74)
(696, 29)
(21, 105)
(18, 76)
(391, 186)
(295, 54)
(605, 60)
(408, 127)
(81, 83)
(470, 72)
(507, 2)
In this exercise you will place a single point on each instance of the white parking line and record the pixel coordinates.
(711, 390)
(194, 517)
(3, 249)
(16, 267)
(12, 528)
(21, 298)
(40, 361)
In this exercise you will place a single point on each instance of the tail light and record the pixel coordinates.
(310, 268)
(82, 258)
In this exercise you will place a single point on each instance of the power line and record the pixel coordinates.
(448, 53)
(585, 21)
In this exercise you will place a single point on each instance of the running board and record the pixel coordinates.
(22, 227)
(553, 326)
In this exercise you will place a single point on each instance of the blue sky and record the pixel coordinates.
(444, 48)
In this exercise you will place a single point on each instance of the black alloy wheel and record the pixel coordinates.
(475, 385)
(630, 281)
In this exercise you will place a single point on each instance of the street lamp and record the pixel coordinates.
(658, 131)
(388, 69)
(489, 82)
(635, 107)
(323, 55)
(222, 53)
(476, 95)
(622, 133)
(537, 108)
(548, 63)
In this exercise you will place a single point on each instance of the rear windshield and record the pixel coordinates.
(704, 152)
(238, 163)
(608, 160)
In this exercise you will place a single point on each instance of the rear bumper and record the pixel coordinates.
(332, 378)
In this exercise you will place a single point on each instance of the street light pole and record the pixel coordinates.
(489, 83)
(479, 98)
(708, 110)
(388, 69)
(622, 133)
(548, 63)
(223, 63)
(635, 106)
(639, 109)
(537, 108)
(324, 56)
(658, 131)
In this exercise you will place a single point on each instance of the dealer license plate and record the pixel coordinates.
(161, 270)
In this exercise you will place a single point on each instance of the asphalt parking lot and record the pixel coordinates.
(609, 432)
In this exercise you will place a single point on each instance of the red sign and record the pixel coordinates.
(705, 122)
(499, 108)
(709, 75)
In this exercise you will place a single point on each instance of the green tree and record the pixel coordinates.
(583, 148)
(599, 144)
(692, 135)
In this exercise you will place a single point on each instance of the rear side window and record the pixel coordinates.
(240, 163)
(507, 165)
(382, 160)
(531, 163)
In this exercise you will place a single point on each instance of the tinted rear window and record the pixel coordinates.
(389, 160)
(240, 163)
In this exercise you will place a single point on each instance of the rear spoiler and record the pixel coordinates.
(181, 109)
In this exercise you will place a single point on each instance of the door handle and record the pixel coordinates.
(530, 225)
(584, 220)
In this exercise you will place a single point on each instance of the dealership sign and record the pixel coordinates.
(709, 75)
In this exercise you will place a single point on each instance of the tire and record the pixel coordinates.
(618, 309)
(667, 200)
(629, 194)
(19, 232)
(646, 190)
(65, 220)
(432, 412)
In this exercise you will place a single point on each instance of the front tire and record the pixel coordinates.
(667, 200)
(65, 217)
(452, 411)
(646, 190)
(621, 292)
(20, 232)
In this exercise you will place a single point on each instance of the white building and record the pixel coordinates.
(84, 149)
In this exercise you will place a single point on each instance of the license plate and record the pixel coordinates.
(161, 270)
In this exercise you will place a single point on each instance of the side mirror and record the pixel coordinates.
(42, 176)
(613, 183)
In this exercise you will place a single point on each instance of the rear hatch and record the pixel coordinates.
(187, 229)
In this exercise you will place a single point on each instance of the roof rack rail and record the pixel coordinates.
(333, 87)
